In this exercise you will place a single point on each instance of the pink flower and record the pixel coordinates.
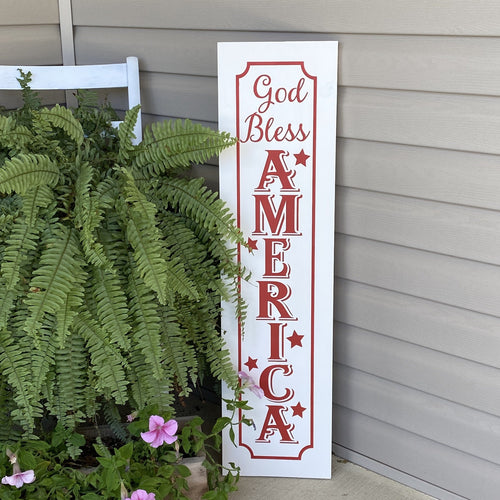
(160, 431)
(248, 382)
(141, 495)
(19, 478)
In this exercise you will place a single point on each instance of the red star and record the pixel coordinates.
(252, 244)
(251, 363)
(298, 410)
(301, 158)
(295, 339)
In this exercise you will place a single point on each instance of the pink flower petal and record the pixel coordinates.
(171, 427)
(167, 438)
(153, 438)
(142, 495)
(259, 392)
(155, 421)
(19, 479)
(28, 476)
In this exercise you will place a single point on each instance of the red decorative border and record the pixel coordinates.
(313, 248)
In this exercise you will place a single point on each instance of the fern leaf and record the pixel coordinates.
(126, 133)
(63, 118)
(179, 354)
(197, 202)
(92, 212)
(27, 171)
(22, 240)
(54, 278)
(33, 200)
(43, 355)
(170, 145)
(70, 381)
(220, 359)
(111, 305)
(14, 364)
(146, 321)
(147, 390)
(106, 359)
(144, 237)
(13, 136)
(69, 309)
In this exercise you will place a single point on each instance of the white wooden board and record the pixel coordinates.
(279, 99)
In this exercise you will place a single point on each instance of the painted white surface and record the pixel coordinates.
(280, 100)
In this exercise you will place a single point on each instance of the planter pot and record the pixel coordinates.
(197, 481)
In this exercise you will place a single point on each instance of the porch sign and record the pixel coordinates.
(280, 100)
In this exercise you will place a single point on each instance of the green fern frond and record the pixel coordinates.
(69, 309)
(220, 360)
(54, 279)
(9, 432)
(146, 390)
(14, 364)
(170, 145)
(113, 419)
(63, 118)
(111, 305)
(146, 323)
(126, 133)
(106, 359)
(27, 171)
(70, 381)
(22, 240)
(89, 215)
(179, 354)
(193, 199)
(33, 200)
(184, 244)
(12, 135)
(43, 355)
(144, 237)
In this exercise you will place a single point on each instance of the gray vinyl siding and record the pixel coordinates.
(417, 295)
(29, 34)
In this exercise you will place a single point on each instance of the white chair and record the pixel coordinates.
(95, 76)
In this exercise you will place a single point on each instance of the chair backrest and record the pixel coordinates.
(95, 76)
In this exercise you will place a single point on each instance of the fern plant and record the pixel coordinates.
(112, 263)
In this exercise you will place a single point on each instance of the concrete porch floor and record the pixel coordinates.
(348, 481)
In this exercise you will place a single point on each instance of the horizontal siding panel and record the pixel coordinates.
(454, 17)
(433, 418)
(442, 175)
(457, 282)
(462, 381)
(437, 64)
(29, 12)
(11, 99)
(25, 45)
(469, 123)
(439, 327)
(463, 474)
(465, 232)
(174, 95)
(465, 123)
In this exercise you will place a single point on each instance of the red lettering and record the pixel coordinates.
(266, 383)
(263, 90)
(277, 334)
(254, 124)
(285, 217)
(275, 421)
(294, 94)
(274, 293)
(273, 257)
(275, 167)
